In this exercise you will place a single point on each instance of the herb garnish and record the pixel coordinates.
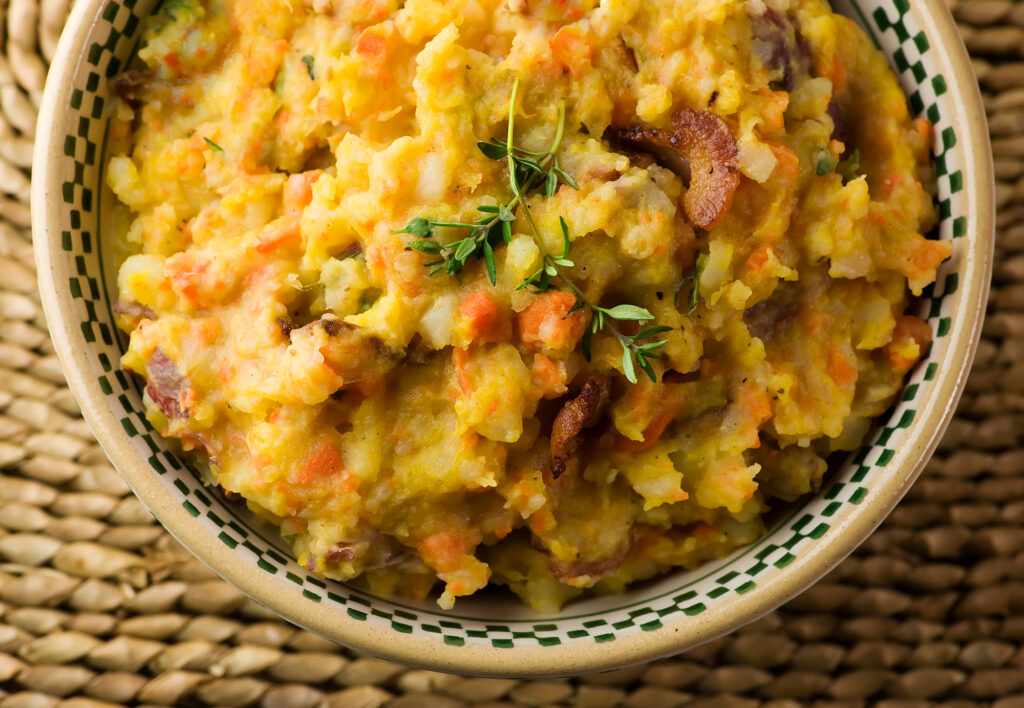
(823, 163)
(849, 168)
(214, 145)
(693, 279)
(529, 171)
(308, 61)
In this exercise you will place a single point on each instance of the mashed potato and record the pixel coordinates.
(743, 176)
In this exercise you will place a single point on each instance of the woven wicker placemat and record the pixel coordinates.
(99, 606)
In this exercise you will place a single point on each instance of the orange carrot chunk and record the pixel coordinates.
(483, 318)
(546, 322)
(910, 339)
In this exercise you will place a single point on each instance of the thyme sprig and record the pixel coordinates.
(693, 280)
(527, 172)
(532, 171)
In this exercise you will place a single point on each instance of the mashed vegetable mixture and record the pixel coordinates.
(703, 303)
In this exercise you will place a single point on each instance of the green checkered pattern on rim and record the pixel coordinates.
(93, 291)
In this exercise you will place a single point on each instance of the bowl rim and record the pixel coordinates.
(424, 650)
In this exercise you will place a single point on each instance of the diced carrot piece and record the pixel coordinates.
(788, 162)
(774, 111)
(460, 358)
(924, 127)
(570, 48)
(757, 402)
(443, 551)
(483, 319)
(542, 520)
(550, 379)
(298, 191)
(759, 258)
(185, 272)
(546, 322)
(371, 42)
(929, 255)
(877, 216)
(838, 73)
(840, 369)
(652, 432)
(910, 338)
(173, 62)
(325, 461)
(279, 234)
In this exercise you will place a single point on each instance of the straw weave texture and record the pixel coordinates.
(99, 606)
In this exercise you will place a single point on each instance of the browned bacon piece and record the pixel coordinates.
(777, 42)
(837, 113)
(165, 384)
(582, 412)
(701, 150)
(129, 84)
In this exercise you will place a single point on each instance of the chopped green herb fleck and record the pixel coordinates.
(823, 163)
(849, 169)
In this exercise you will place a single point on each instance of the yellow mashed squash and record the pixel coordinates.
(746, 172)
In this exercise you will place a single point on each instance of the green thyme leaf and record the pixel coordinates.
(493, 150)
(566, 178)
(431, 247)
(645, 364)
(693, 279)
(492, 272)
(628, 312)
(463, 250)
(627, 365)
(551, 184)
(214, 145)
(651, 331)
(651, 346)
(566, 243)
(308, 61)
(417, 227)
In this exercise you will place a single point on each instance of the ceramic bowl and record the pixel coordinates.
(494, 634)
